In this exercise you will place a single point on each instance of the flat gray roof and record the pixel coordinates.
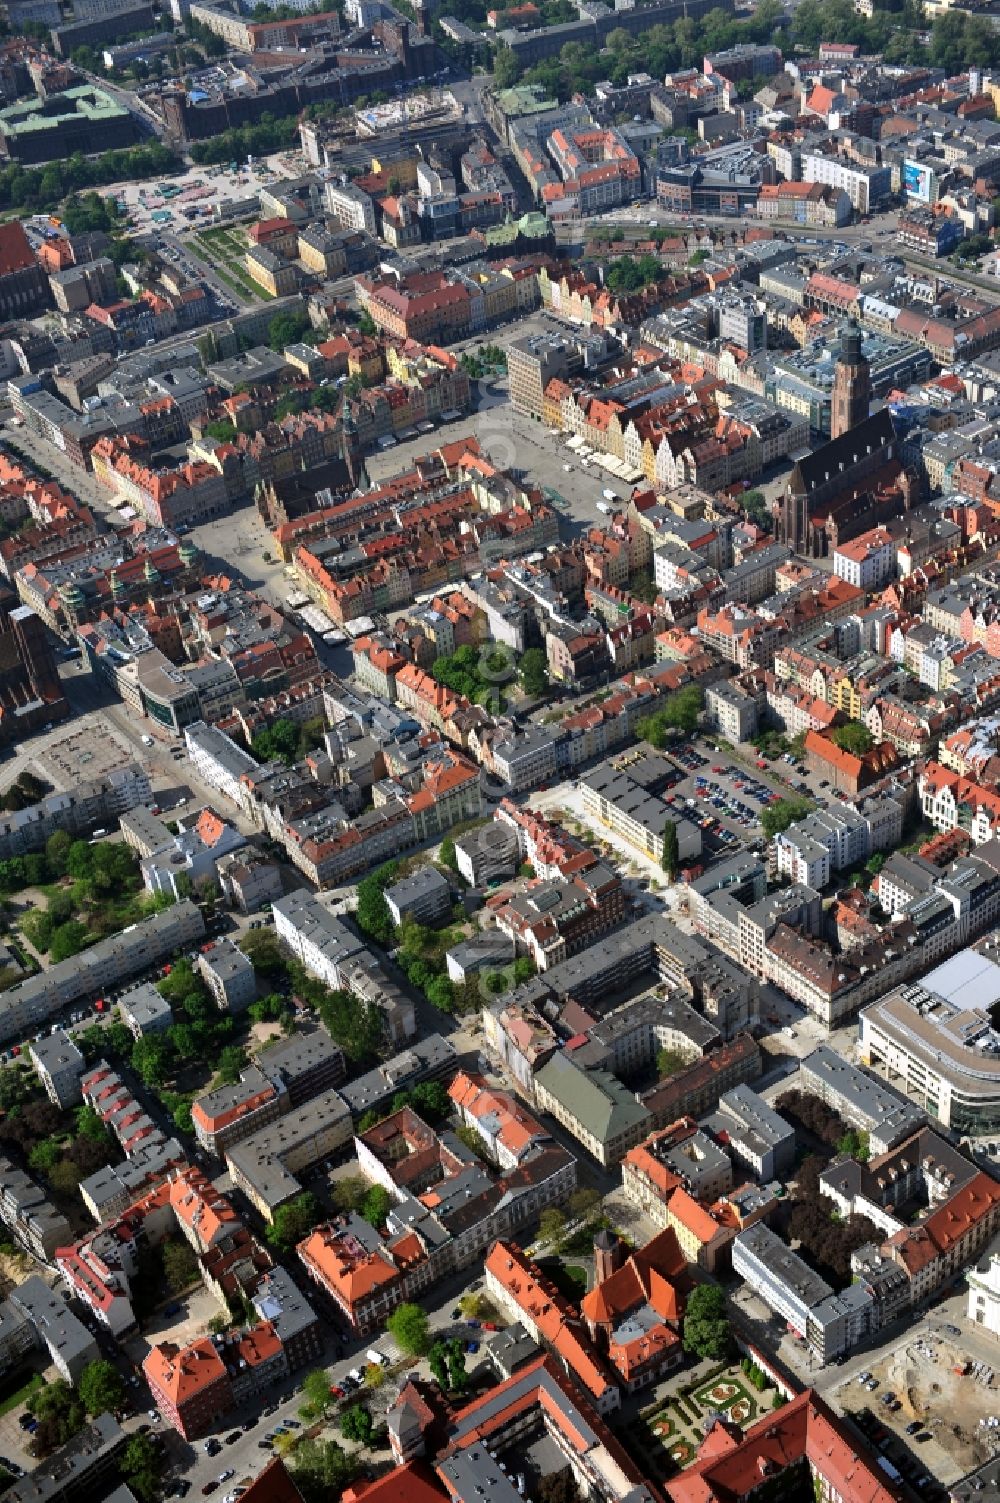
(968, 979)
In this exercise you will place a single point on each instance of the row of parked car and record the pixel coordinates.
(895, 1458)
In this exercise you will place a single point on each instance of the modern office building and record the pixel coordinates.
(934, 1041)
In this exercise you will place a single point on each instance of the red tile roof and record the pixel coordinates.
(729, 1468)
(15, 252)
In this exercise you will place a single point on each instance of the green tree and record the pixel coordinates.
(668, 1062)
(446, 853)
(376, 1206)
(277, 743)
(101, 1387)
(294, 1221)
(151, 1059)
(853, 738)
(431, 1100)
(506, 68)
(321, 1470)
(679, 713)
(533, 671)
(356, 1026)
(60, 1413)
(44, 1157)
(90, 1126)
(437, 1360)
(262, 949)
(287, 328)
(180, 1266)
(141, 1463)
(584, 1201)
(458, 1378)
(65, 1177)
(69, 939)
(671, 854)
(855, 1144)
(348, 1192)
(317, 1395)
(786, 811)
(551, 1225)
(231, 1063)
(706, 1322)
(57, 849)
(184, 1041)
(357, 1424)
(408, 1325)
(372, 912)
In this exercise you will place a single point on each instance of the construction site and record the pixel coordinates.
(928, 1385)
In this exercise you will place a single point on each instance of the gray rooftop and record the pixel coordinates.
(317, 926)
(261, 1157)
(865, 1099)
(291, 1057)
(279, 1300)
(786, 1266)
(52, 1318)
(426, 880)
(750, 1116)
(424, 1058)
(70, 1466)
(226, 960)
(55, 1052)
(227, 1098)
(145, 1005)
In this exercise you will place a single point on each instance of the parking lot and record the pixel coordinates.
(726, 798)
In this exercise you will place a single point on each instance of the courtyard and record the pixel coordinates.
(667, 1434)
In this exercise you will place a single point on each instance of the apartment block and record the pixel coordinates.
(755, 1134)
(29, 1215)
(265, 1164)
(788, 1286)
(229, 976)
(99, 968)
(233, 1112)
(424, 896)
(70, 1345)
(59, 1065)
(85, 1467)
(862, 1101)
(144, 1011)
(432, 1058)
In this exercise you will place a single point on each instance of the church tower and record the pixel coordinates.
(852, 383)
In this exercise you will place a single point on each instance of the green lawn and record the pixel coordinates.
(225, 248)
(18, 1397)
(569, 1278)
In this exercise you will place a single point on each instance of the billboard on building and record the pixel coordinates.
(917, 181)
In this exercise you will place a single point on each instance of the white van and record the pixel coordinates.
(377, 1358)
